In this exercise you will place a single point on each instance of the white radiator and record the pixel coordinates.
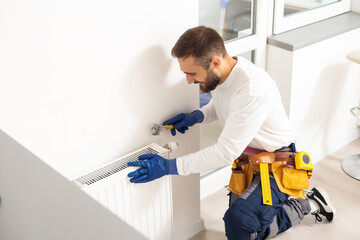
(147, 207)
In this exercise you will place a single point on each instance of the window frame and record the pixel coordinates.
(285, 23)
(257, 41)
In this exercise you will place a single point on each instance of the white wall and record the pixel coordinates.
(41, 204)
(209, 13)
(81, 82)
(319, 86)
(355, 5)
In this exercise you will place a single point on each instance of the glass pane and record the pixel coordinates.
(232, 19)
(296, 6)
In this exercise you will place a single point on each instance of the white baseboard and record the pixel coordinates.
(189, 231)
(212, 182)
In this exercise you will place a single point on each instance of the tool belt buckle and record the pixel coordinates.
(264, 157)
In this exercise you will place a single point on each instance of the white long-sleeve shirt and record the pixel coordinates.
(249, 107)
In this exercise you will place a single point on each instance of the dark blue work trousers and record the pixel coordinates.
(248, 218)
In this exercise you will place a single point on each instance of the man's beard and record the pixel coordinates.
(211, 81)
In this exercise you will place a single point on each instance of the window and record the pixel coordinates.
(290, 14)
(241, 23)
(232, 19)
(293, 6)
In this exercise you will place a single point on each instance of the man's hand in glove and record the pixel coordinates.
(183, 121)
(152, 167)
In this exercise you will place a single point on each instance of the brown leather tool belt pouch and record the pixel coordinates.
(283, 169)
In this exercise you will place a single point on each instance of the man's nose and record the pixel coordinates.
(190, 79)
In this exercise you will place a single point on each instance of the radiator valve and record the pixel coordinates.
(171, 146)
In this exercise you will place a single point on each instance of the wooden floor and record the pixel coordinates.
(343, 190)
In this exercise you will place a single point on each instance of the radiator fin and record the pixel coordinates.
(112, 168)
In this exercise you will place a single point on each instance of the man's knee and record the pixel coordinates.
(240, 223)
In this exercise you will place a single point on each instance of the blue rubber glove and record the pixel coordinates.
(153, 167)
(184, 120)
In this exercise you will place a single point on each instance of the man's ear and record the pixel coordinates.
(215, 62)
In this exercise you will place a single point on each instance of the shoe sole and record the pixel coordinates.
(328, 201)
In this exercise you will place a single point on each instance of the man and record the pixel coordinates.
(247, 103)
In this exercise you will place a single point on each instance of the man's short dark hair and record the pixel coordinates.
(200, 42)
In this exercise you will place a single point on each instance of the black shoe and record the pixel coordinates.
(323, 201)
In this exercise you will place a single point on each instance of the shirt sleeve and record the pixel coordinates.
(246, 116)
(209, 112)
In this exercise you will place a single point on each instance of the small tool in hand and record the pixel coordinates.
(156, 128)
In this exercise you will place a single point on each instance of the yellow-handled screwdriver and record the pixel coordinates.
(156, 128)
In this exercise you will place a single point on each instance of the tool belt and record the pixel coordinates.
(289, 179)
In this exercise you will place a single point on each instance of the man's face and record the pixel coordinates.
(195, 73)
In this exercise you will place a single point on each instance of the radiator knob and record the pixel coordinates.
(172, 146)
